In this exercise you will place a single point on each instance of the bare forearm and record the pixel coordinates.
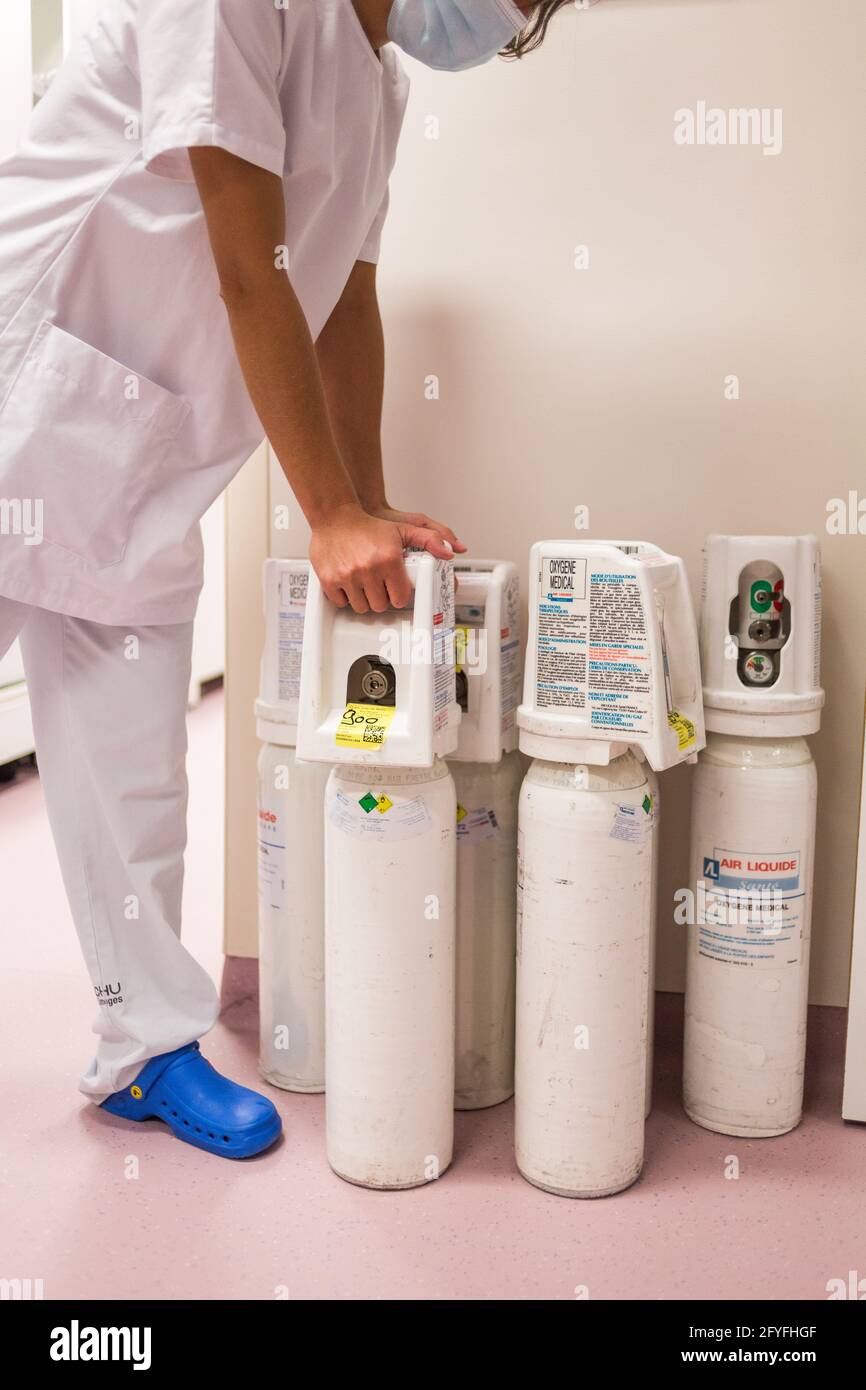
(244, 208)
(351, 356)
(279, 365)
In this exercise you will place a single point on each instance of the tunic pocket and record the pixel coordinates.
(86, 437)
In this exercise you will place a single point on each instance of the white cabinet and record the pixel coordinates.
(11, 668)
(209, 640)
(16, 731)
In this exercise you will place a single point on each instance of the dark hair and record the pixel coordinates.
(536, 29)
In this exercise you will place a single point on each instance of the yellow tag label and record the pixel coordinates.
(383, 804)
(461, 812)
(683, 728)
(364, 726)
(461, 642)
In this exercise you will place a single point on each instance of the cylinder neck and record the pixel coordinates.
(391, 776)
(741, 750)
(621, 774)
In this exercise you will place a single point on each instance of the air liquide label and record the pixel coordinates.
(271, 857)
(293, 604)
(593, 651)
(753, 908)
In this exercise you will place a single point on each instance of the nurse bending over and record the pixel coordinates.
(191, 152)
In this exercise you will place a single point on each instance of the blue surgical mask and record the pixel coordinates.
(453, 34)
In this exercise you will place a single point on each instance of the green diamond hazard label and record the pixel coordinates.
(368, 802)
(647, 804)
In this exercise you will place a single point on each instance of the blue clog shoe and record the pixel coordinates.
(198, 1105)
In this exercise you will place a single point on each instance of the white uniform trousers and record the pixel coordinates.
(109, 714)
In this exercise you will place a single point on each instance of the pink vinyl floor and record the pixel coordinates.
(101, 1208)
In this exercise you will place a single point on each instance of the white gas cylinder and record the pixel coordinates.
(291, 888)
(585, 851)
(291, 919)
(390, 871)
(752, 852)
(653, 785)
(487, 795)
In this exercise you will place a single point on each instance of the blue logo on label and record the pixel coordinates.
(711, 869)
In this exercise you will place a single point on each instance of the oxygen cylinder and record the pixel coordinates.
(291, 797)
(753, 836)
(754, 803)
(378, 699)
(487, 795)
(653, 789)
(291, 891)
(389, 963)
(611, 666)
(583, 930)
(487, 772)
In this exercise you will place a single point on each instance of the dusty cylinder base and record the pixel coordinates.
(372, 1186)
(288, 1083)
(740, 1131)
(483, 1100)
(580, 1196)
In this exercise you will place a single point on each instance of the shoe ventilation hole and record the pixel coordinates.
(226, 1137)
(165, 1102)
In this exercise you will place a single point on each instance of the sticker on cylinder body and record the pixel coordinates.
(272, 858)
(593, 649)
(753, 909)
(383, 817)
(633, 823)
(478, 823)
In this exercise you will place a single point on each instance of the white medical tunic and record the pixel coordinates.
(123, 412)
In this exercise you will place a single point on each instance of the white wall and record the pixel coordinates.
(605, 386)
